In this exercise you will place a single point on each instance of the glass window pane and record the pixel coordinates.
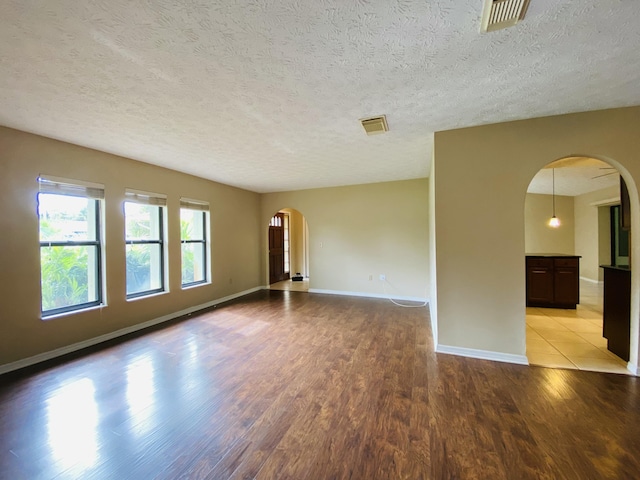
(64, 218)
(191, 224)
(142, 221)
(69, 276)
(144, 268)
(193, 262)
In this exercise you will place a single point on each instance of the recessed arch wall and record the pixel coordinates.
(482, 177)
(360, 231)
(298, 242)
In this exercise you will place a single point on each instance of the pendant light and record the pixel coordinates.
(554, 222)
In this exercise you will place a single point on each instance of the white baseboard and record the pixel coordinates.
(368, 295)
(434, 324)
(590, 280)
(58, 352)
(483, 354)
(633, 368)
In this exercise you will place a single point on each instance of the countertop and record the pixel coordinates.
(624, 268)
(551, 255)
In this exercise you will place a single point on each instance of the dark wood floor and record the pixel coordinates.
(291, 385)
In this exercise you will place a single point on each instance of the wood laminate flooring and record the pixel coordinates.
(289, 385)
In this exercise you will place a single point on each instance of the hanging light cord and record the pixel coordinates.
(553, 196)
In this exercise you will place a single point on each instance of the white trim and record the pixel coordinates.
(483, 354)
(58, 352)
(434, 324)
(368, 295)
(590, 280)
(633, 369)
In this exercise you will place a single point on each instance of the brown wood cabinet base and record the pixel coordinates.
(616, 325)
(553, 281)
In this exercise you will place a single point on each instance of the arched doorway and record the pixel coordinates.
(288, 251)
(583, 194)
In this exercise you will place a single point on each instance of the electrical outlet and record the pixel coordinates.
(383, 277)
(370, 277)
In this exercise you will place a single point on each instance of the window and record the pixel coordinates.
(144, 238)
(619, 239)
(276, 221)
(193, 238)
(70, 245)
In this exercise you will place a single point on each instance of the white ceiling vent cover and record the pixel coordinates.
(375, 125)
(499, 14)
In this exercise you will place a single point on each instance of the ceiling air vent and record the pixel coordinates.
(375, 125)
(499, 14)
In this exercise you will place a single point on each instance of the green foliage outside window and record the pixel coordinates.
(64, 276)
(188, 258)
(68, 269)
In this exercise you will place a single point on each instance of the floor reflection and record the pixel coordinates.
(557, 385)
(72, 422)
(140, 394)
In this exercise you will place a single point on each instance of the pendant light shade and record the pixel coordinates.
(554, 222)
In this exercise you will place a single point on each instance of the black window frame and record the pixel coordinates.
(159, 242)
(203, 241)
(619, 236)
(77, 243)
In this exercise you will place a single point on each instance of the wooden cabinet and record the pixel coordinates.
(553, 281)
(625, 209)
(616, 324)
(539, 281)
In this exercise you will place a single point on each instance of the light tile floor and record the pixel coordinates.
(572, 339)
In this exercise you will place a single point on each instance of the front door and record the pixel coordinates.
(276, 249)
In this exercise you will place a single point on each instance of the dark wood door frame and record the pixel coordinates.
(276, 249)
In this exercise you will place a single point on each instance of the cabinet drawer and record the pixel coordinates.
(566, 262)
(539, 262)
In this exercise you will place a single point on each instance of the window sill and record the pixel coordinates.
(55, 316)
(195, 285)
(150, 295)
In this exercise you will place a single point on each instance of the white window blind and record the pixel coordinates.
(145, 198)
(63, 186)
(192, 204)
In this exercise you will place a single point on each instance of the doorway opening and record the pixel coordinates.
(288, 251)
(565, 281)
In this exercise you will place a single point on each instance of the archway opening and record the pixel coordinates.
(288, 251)
(564, 284)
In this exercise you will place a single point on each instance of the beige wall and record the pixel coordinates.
(297, 241)
(235, 226)
(539, 237)
(593, 238)
(433, 273)
(480, 266)
(361, 231)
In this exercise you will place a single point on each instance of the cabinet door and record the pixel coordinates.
(566, 286)
(617, 311)
(539, 283)
(625, 209)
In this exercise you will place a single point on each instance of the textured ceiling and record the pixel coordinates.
(576, 177)
(266, 95)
